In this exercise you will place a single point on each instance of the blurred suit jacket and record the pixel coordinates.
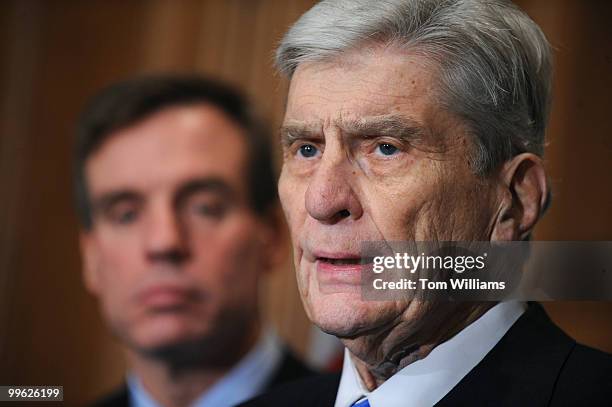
(534, 364)
(290, 368)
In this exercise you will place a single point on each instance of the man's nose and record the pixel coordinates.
(165, 237)
(330, 197)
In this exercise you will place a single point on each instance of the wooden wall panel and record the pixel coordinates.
(52, 329)
(55, 54)
(579, 151)
(21, 33)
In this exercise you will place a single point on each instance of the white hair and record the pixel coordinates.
(495, 63)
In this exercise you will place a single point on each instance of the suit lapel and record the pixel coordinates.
(522, 368)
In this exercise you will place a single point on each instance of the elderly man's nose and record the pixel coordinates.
(165, 238)
(330, 197)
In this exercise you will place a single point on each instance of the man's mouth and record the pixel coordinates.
(342, 259)
(340, 262)
(161, 297)
(340, 269)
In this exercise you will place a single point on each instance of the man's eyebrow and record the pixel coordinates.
(106, 200)
(207, 184)
(386, 125)
(391, 125)
(295, 130)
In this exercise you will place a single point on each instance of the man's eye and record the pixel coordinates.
(124, 217)
(386, 149)
(209, 210)
(308, 150)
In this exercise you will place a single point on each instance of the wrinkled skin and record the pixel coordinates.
(352, 173)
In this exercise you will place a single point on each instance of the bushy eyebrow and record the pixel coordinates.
(395, 126)
(293, 130)
(391, 125)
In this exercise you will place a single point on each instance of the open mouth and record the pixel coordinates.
(339, 273)
(340, 262)
(353, 261)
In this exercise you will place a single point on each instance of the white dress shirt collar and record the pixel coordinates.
(427, 381)
(244, 381)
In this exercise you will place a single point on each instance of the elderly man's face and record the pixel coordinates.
(370, 155)
(175, 251)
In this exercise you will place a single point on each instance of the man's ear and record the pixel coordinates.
(524, 197)
(89, 258)
(275, 239)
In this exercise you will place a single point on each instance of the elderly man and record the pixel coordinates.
(421, 120)
(178, 204)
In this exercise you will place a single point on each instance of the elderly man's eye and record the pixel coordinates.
(386, 149)
(308, 150)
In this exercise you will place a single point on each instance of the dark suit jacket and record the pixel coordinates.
(289, 369)
(534, 364)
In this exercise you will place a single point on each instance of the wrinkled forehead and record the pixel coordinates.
(371, 88)
(370, 81)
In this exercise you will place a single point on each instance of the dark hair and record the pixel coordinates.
(125, 103)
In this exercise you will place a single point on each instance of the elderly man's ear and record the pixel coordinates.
(523, 194)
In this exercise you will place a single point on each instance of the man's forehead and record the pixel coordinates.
(380, 83)
(388, 62)
(190, 130)
(186, 146)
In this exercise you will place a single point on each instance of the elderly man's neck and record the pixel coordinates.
(178, 378)
(378, 356)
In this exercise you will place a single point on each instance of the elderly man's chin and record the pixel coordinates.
(344, 314)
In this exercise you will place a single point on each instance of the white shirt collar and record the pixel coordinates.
(244, 381)
(427, 381)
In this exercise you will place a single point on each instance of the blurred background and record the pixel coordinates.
(55, 54)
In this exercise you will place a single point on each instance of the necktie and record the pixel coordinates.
(361, 403)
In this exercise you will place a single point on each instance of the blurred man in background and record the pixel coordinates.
(177, 199)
